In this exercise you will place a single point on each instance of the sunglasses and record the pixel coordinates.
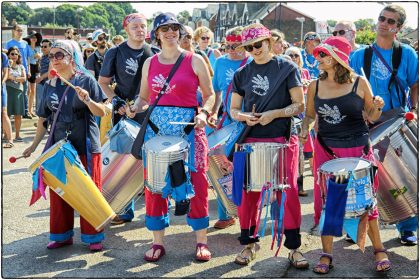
(57, 55)
(294, 55)
(231, 47)
(188, 36)
(101, 38)
(390, 21)
(205, 38)
(44, 47)
(89, 51)
(257, 46)
(340, 32)
(13, 54)
(19, 30)
(173, 27)
(322, 54)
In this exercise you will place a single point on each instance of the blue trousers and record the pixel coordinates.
(129, 212)
(410, 224)
(221, 211)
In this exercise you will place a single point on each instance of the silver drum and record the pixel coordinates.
(395, 145)
(265, 164)
(160, 152)
(360, 198)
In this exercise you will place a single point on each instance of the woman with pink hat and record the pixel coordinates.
(272, 85)
(339, 98)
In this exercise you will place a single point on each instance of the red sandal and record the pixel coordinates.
(155, 247)
(198, 252)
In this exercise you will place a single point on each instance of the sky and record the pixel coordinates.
(319, 10)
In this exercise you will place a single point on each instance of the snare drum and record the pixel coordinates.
(265, 164)
(122, 174)
(395, 144)
(73, 184)
(160, 152)
(360, 192)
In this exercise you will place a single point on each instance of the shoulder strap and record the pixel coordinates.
(356, 83)
(138, 142)
(316, 87)
(396, 56)
(147, 52)
(367, 61)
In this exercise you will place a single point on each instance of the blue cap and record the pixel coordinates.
(163, 19)
(97, 33)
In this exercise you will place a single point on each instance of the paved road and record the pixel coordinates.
(25, 235)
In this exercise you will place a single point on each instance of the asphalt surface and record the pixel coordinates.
(25, 236)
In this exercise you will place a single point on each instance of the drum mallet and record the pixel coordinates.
(409, 116)
(14, 159)
(54, 73)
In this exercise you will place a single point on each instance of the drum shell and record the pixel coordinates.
(158, 161)
(122, 178)
(265, 164)
(80, 192)
(325, 174)
(106, 123)
(395, 146)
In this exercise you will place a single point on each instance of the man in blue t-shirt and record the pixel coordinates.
(25, 52)
(122, 63)
(310, 41)
(390, 22)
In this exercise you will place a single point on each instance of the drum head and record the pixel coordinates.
(220, 136)
(166, 144)
(344, 165)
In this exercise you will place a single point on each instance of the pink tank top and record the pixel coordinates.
(182, 89)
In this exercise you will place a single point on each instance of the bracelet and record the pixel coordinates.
(87, 100)
(205, 112)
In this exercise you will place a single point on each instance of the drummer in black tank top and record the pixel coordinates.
(340, 100)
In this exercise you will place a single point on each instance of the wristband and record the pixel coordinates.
(87, 100)
(205, 112)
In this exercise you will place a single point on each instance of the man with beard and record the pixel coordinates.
(310, 41)
(94, 61)
(124, 64)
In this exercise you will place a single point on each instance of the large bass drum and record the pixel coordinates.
(395, 145)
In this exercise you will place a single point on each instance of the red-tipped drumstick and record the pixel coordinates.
(14, 159)
(54, 73)
(409, 116)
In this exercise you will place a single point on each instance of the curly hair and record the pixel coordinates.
(202, 30)
(14, 48)
(342, 75)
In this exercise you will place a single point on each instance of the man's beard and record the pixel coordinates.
(102, 46)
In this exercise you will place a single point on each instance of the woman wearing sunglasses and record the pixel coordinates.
(88, 50)
(14, 87)
(76, 121)
(203, 37)
(338, 98)
(179, 99)
(273, 86)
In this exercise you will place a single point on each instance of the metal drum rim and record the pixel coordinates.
(343, 172)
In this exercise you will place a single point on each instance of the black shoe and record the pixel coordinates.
(349, 240)
(27, 116)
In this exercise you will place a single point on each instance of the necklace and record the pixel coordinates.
(309, 65)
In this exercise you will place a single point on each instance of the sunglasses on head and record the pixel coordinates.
(294, 55)
(322, 54)
(256, 45)
(188, 36)
(173, 27)
(340, 32)
(231, 47)
(205, 38)
(390, 21)
(57, 55)
(13, 54)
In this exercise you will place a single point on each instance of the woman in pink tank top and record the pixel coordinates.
(180, 95)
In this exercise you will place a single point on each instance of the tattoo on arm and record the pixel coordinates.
(306, 123)
(291, 110)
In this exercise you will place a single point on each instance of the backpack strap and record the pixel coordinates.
(367, 61)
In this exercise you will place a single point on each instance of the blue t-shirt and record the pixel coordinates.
(408, 73)
(257, 82)
(32, 52)
(121, 62)
(224, 68)
(4, 64)
(311, 64)
(24, 50)
(210, 55)
(74, 116)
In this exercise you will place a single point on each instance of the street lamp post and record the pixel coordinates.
(301, 20)
(79, 10)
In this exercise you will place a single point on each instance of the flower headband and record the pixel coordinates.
(132, 18)
(255, 33)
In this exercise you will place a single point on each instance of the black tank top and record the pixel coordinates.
(340, 119)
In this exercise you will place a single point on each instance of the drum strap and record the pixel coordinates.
(366, 148)
(138, 143)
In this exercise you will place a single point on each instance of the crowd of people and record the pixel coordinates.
(253, 67)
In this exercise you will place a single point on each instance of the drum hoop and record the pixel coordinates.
(391, 132)
(57, 145)
(344, 172)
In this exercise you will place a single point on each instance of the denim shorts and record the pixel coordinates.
(3, 96)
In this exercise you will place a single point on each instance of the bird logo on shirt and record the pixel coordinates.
(131, 66)
(331, 115)
(261, 85)
(380, 71)
(229, 75)
(158, 83)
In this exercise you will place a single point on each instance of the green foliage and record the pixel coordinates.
(363, 24)
(365, 37)
(42, 15)
(16, 11)
(183, 17)
(331, 22)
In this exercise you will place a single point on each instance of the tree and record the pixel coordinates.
(16, 11)
(364, 24)
(183, 17)
(43, 16)
(331, 22)
(365, 37)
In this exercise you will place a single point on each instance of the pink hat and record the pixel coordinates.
(254, 34)
(133, 17)
(337, 47)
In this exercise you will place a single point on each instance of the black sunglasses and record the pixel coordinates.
(322, 54)
(188, 36)
(173, 27)
(89, 51)
(390, 21)
(57, 55)
(294, 55)
(205, 38)
(231, 47)
(340, 32)
(13, 54)
(257, 45)
(44, 47)
(102, 38)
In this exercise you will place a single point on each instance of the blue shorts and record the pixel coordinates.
(3, 96)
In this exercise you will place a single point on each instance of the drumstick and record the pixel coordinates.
(253, 108)
(14, 159)
(54, 73)
(183, 123)
(245, 115)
